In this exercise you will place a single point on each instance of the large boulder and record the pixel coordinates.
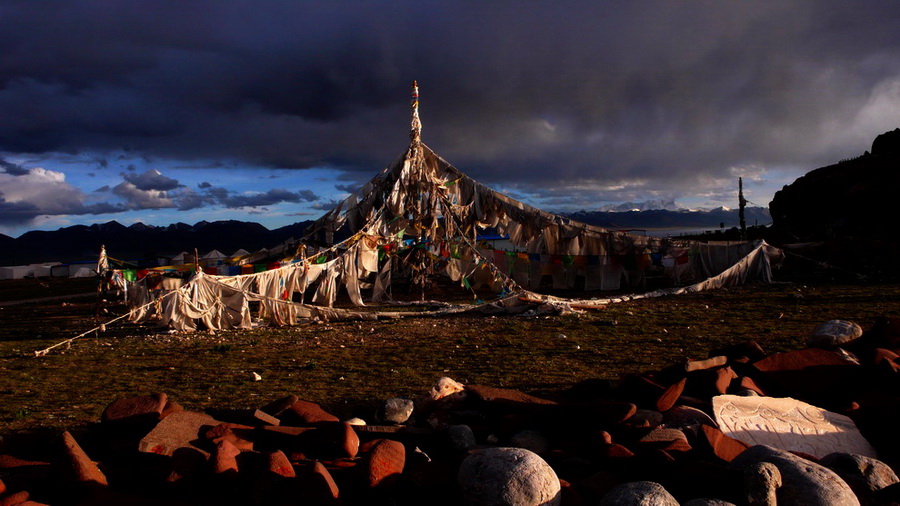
(834, 333)
(802, 481)
(507, 476)
(865, 475)
(639, 493)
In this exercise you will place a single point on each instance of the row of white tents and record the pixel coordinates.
(86, 270)
(47, 270)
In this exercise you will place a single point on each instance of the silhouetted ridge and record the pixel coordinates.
(140, 242)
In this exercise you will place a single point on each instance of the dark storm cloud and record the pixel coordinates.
(659, 92)
(271, 197)
(20, 212)
(13, 169)
(151, 180)
(347, 188)
(14, 213)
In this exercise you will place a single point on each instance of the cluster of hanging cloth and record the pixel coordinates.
(421, 217)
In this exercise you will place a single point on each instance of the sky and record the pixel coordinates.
(170, 111)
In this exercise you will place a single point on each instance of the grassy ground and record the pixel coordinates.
(350, 367)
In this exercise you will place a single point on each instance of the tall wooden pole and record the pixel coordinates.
(742, 203)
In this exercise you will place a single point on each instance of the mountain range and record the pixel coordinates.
(672, 219)
(139, 242)
(145, 243)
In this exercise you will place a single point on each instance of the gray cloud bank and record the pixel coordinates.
(610, 97)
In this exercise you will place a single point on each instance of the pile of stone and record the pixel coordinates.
(811, 426)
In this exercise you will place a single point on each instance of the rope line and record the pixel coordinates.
(101, 327)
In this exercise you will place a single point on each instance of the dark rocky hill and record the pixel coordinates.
(139, 242)
(850, 209)
(852, 199)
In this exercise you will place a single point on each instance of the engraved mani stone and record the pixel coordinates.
(788, 424)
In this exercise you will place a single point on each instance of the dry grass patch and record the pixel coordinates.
(350, 367)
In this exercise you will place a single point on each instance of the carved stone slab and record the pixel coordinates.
(788, 424)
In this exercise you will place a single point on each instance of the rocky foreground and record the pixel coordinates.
(811, 426)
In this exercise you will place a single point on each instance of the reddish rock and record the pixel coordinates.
(77, 465)
(504, 395)
(666, 439)
(2, 487)
(282, 431)
(887, 363)
(187, 463)
(725, 376)
(251, 417)
(604, 437)
(339, 438)
(224, 458)
(277, 407)
(178, 430)
(823, 377)
(670, 396)
(170, 407)
(642, 391)
(318, 486)
(709, 363)
(614, 451)
(325, 441)
(722, 446)
(260, 417)
(799, 360)
(747, 383)
(880, 354)
(384, 463)
(138, 409)
(10, 462)
(278, 463)
(238, 435)
(570, 495)
(605, 448)
(14, 499)
(306, 413)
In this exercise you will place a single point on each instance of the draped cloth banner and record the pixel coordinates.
(421, 217)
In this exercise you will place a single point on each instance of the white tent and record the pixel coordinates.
(43, 270)
(84, 272)
(182, 258)
(15, 271)
(214, 255)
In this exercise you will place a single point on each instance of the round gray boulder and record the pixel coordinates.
(398, 410)
(507, 477)
(461, 437)
(865, 475)
(802, 481)
(834, 333)
(639, 493)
